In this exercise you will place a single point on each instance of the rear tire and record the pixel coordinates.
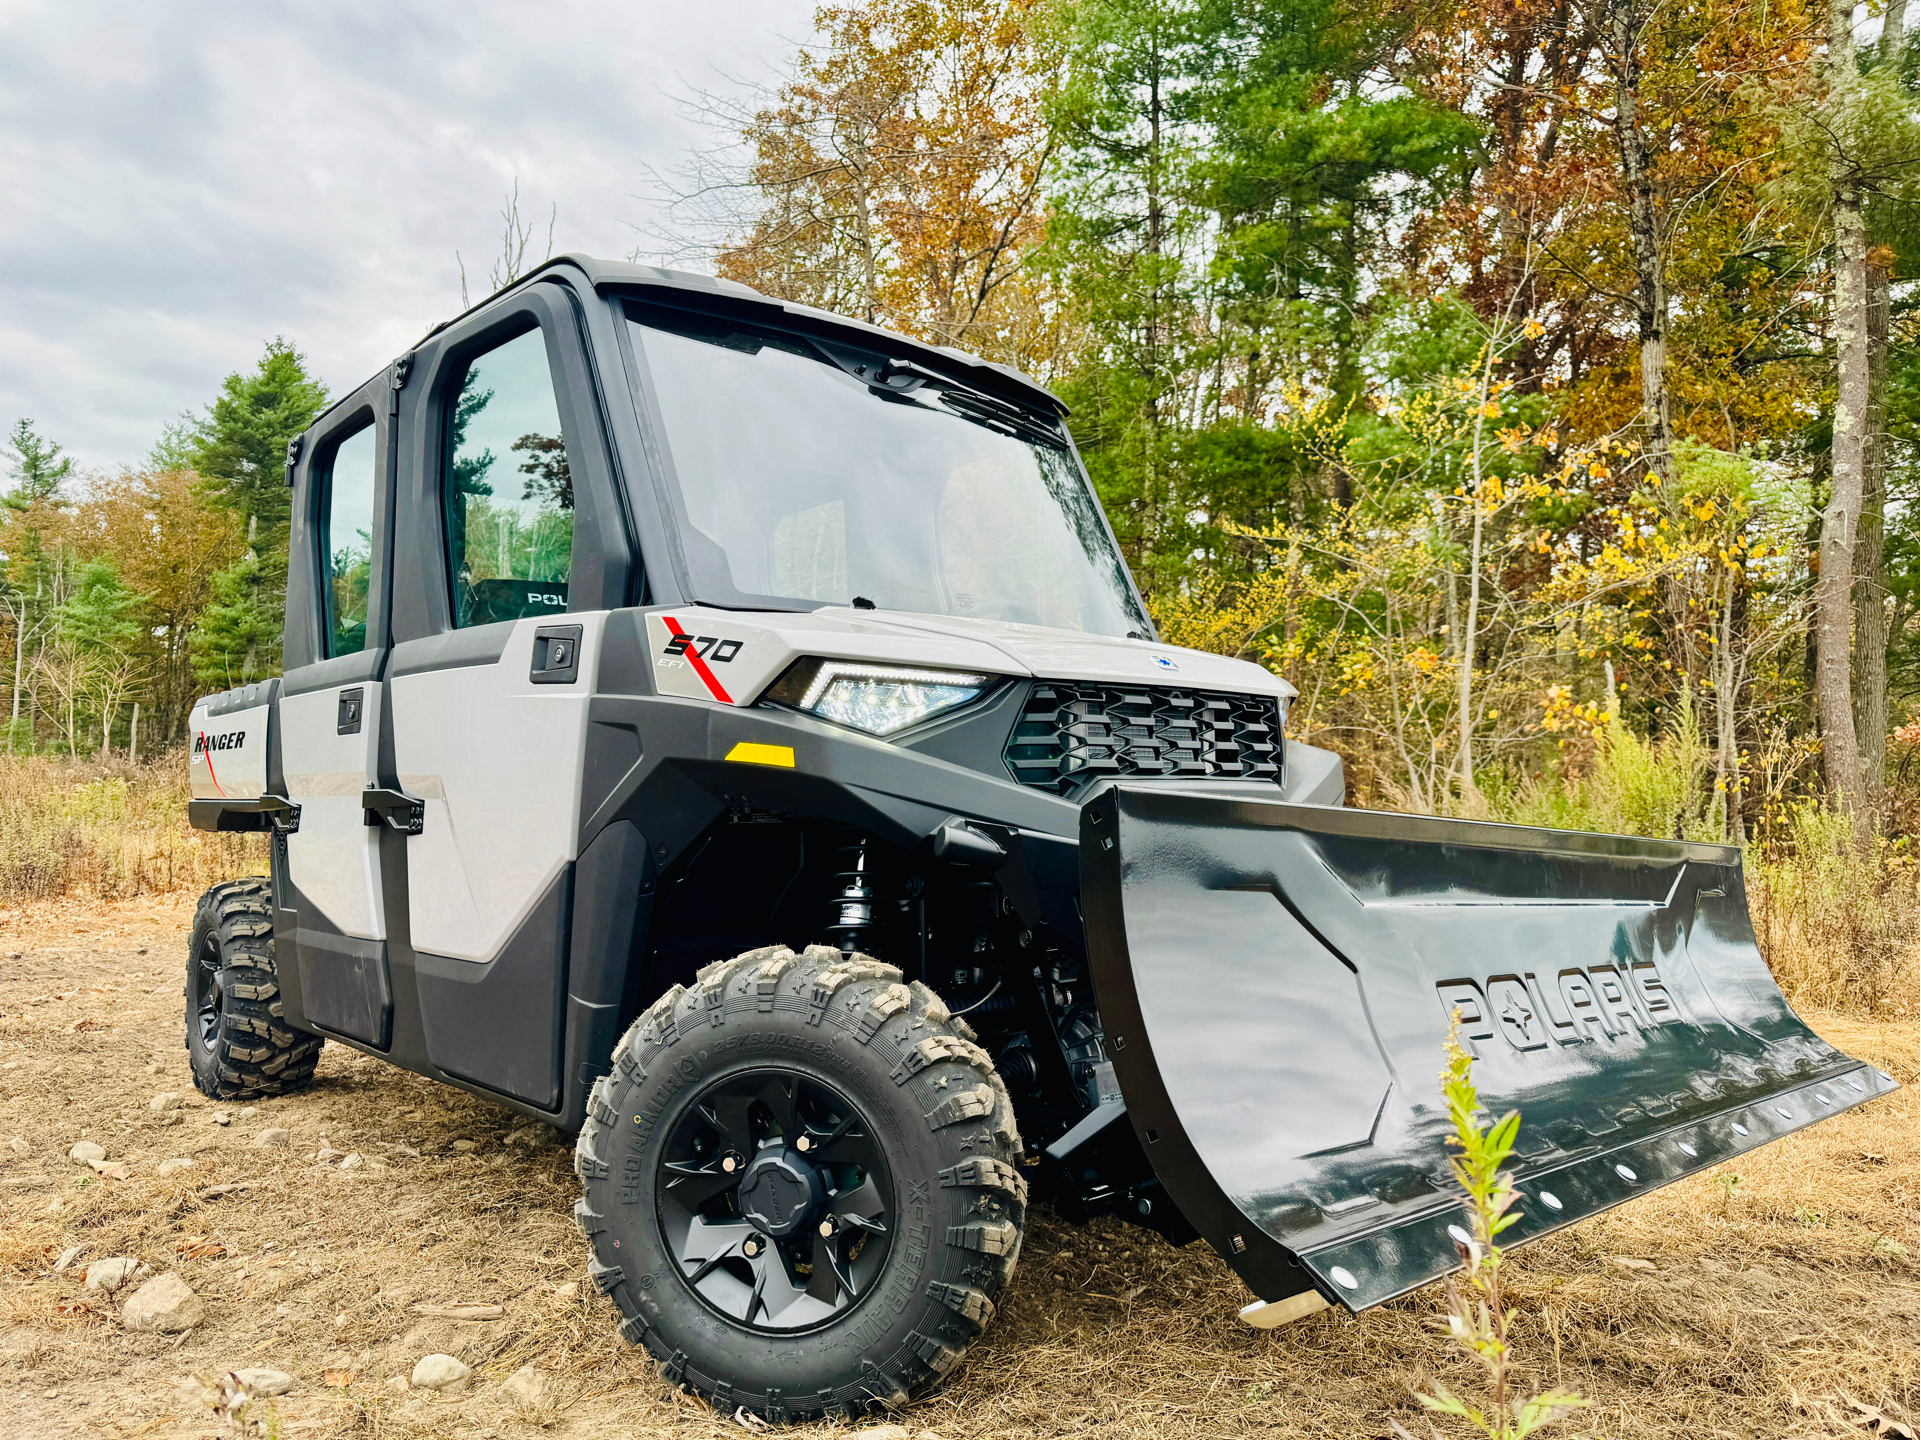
(238, 1041)
(856, 1116)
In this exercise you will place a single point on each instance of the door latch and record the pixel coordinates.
(556, 655)
(404, 813)
(349, 717)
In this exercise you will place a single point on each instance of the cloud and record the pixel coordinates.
(184, 181)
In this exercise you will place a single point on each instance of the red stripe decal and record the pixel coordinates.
(206, 755)
(699, 665)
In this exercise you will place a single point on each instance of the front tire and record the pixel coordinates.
(238, 1041)
(800, 1185)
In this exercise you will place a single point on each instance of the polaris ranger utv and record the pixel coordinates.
(729, 731)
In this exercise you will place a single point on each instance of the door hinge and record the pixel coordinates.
(396, 378)
(406, 814)
(293, 457)
(282, 814)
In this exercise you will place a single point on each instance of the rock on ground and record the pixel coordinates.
(263, 1381)
(166, 1303)
(87, 1152)
(165, 1101)
(526, 1388)
(110, 1273)
(274, 1136)
(440, 1372)
(178, 1163)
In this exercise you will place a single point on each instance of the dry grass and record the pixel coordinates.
(1838, 931)
(1838, 934)
(108, 831)
(1767, 1303)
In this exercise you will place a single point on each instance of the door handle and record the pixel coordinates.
(556, 655)
(404, 813)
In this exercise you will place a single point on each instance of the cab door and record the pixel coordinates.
(515, 552)
(329, 718)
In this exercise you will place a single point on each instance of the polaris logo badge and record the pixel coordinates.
(1577, 1004)
(232, 740)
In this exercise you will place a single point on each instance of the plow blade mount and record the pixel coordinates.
(1275, 983)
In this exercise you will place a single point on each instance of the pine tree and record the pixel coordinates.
(240, 446)
(237, 640)
(37, 466)
(100, 614)
(239, 449)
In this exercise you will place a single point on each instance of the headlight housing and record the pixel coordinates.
(875, 697)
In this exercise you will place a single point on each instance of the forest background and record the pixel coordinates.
(1533, 384)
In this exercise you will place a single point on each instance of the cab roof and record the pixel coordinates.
(743, 302)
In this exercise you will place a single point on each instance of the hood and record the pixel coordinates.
(1075, 655)
(733, 656)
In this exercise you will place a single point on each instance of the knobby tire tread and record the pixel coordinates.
(255, 1052)
(907, 1033)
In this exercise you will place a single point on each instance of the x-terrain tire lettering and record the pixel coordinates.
(238, 1040)
(800, 1184)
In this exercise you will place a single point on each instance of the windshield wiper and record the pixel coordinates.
(976, 405)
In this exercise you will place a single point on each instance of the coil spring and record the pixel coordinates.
(854, 896)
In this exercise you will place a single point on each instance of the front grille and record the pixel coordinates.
(1070, 733)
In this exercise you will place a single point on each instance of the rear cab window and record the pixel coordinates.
(346, 542)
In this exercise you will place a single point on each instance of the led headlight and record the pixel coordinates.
(878, 699)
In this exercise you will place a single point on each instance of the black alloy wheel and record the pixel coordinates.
(208, 998)
(774, 1196)
(801, 1185)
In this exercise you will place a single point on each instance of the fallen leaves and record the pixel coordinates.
(1878, 1422)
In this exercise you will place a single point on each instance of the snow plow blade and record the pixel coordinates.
(1275, 983)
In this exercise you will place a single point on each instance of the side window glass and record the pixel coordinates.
(347, 542)
(509, 494)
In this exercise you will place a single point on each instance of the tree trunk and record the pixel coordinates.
(1650, 288)
(1870, 570)
(1834, 586)
(19, 653)
(133, 735)
(1727, 695)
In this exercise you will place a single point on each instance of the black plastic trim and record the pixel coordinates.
(453, 649)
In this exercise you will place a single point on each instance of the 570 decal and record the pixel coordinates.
(696, 651)
(705, 647)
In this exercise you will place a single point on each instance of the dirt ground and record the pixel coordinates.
(1781, 1303)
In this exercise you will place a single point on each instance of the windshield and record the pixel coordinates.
(798, 485)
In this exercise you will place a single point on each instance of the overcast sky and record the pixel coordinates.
(181, 181)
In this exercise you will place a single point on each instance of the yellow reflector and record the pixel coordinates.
(756, 754)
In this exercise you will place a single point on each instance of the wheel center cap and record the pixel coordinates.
(779, 1191)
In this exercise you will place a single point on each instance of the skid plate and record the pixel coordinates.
(1275, 982)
